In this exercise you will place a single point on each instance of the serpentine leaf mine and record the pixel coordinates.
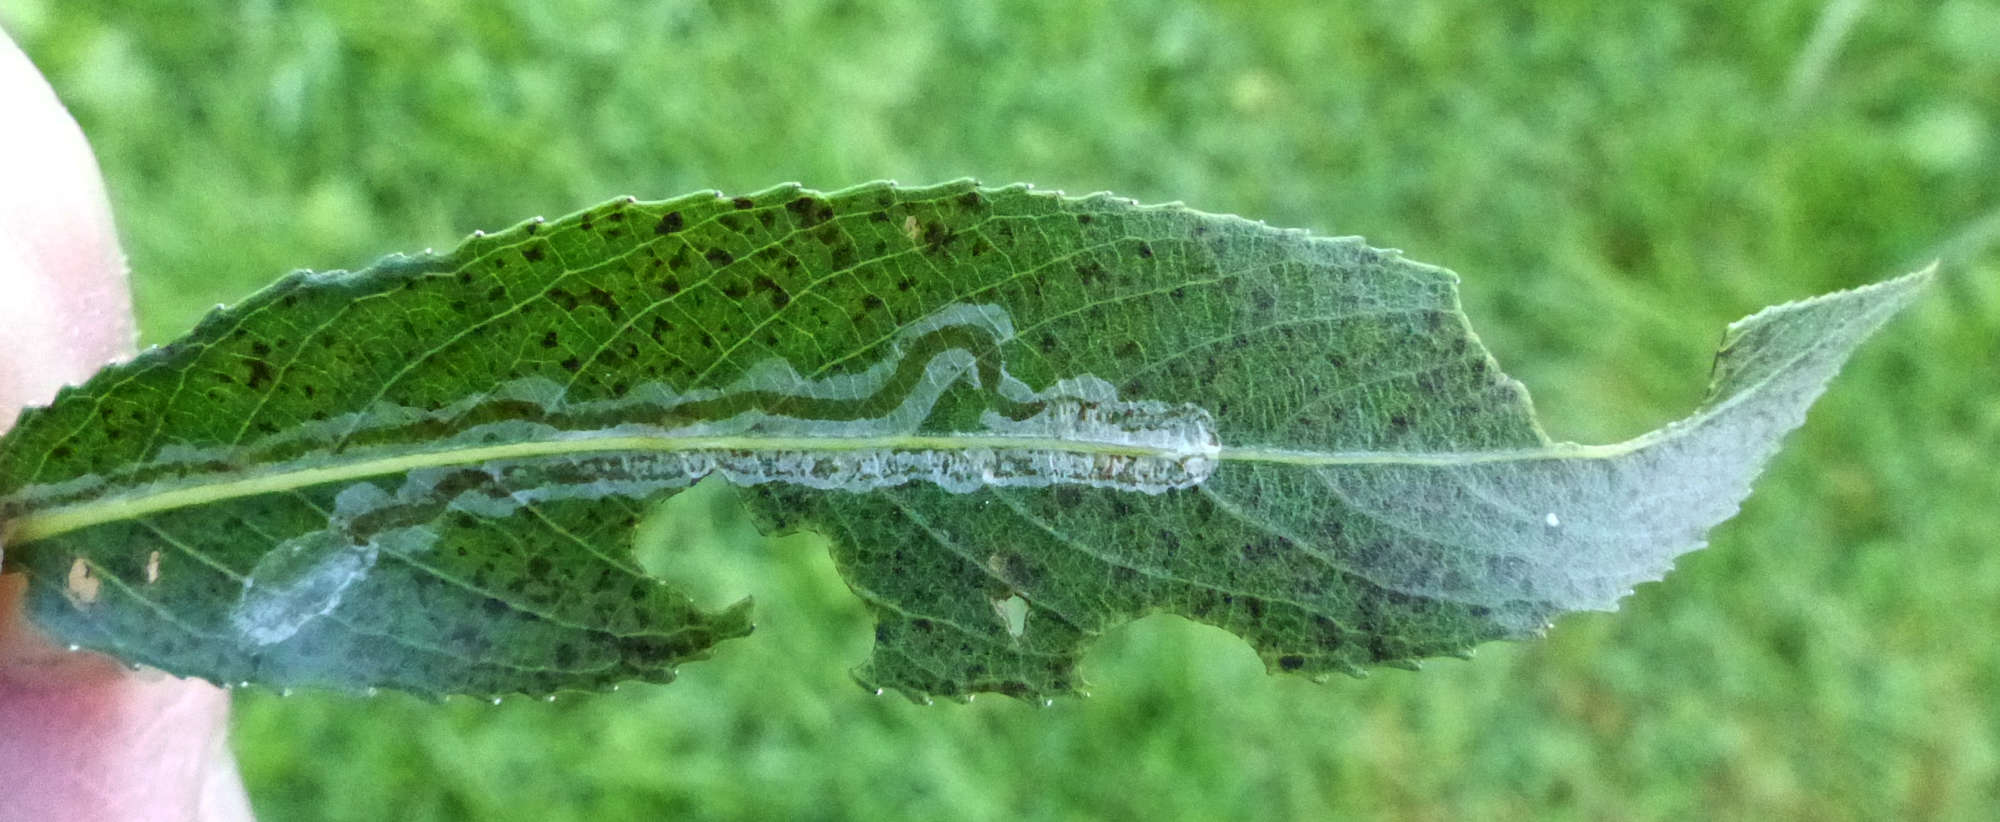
(1021, 419)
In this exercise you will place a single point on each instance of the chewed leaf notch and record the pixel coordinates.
(1020, 418)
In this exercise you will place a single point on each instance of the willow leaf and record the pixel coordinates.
(1022, 419)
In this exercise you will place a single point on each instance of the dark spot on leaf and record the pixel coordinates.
(668, 224)
(779, 297)
(260, 374)
(572, 364)
(936, 236)
(661, 327)
(603, 299)
(719, 258)
(534, 253)
(808, 212)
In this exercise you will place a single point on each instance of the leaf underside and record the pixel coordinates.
(1021, 419)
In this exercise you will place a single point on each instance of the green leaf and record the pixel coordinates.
(1021, 419)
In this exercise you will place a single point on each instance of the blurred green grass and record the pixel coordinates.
(1616, 182)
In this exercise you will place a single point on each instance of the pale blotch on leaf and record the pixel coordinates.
(83, 585)
(1013, 612)
(300, 581)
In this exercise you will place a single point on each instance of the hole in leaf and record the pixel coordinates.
(701, 542)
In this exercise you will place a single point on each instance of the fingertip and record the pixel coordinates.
(64, 306)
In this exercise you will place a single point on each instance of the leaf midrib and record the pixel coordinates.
(34, 525)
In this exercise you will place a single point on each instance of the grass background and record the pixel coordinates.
(1616, 182)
